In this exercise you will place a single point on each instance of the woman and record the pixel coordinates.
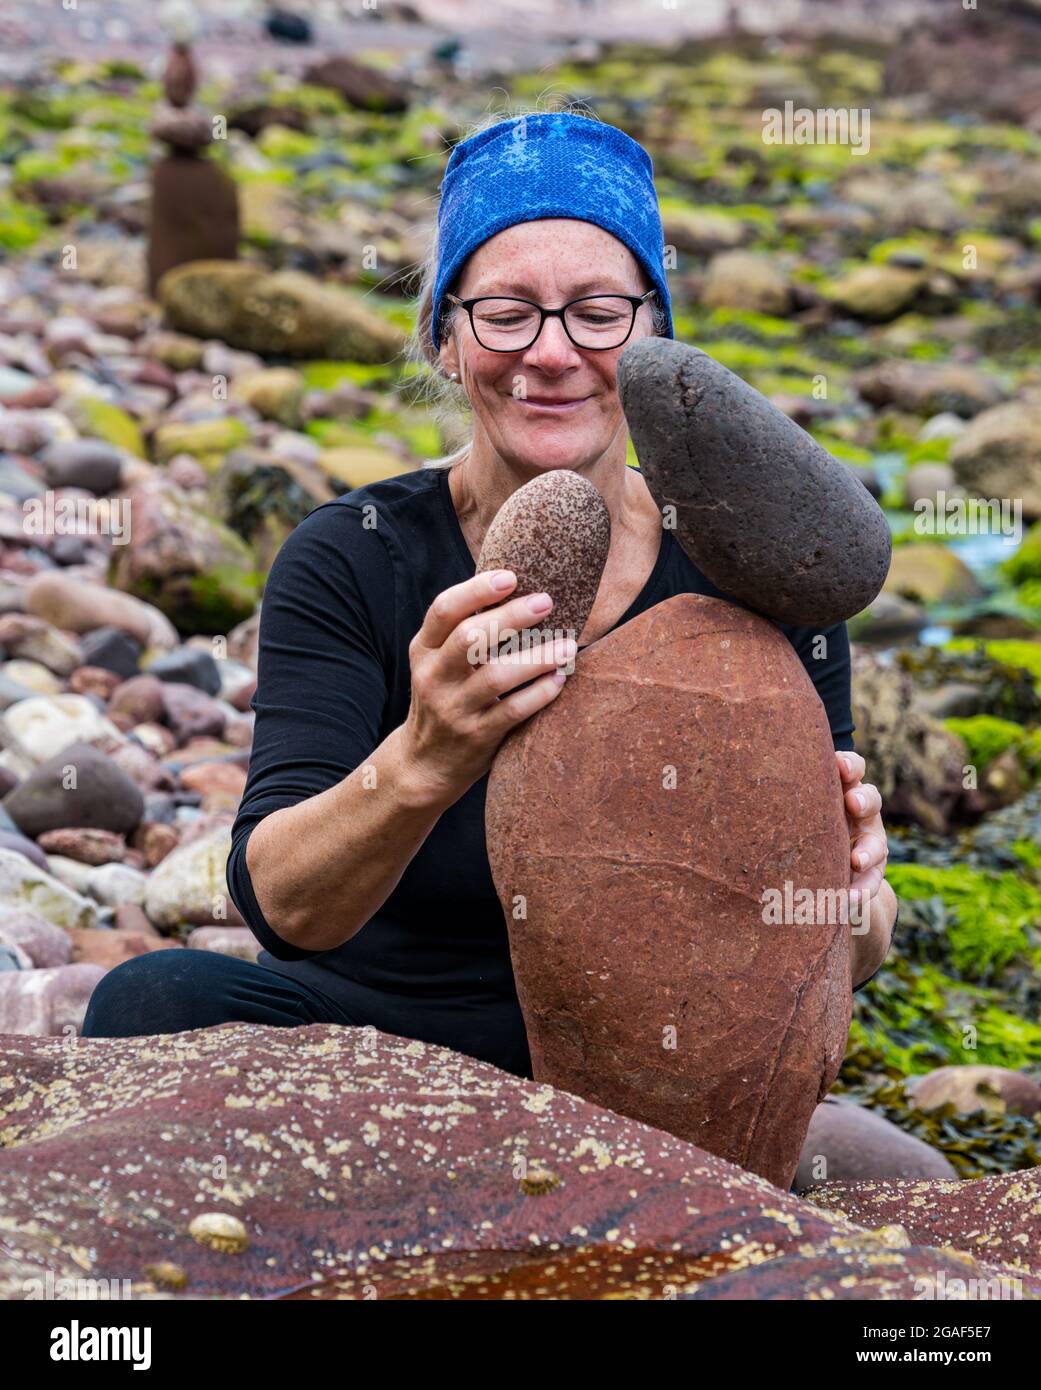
(358, 855)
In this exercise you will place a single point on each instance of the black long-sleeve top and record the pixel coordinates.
(346, 594)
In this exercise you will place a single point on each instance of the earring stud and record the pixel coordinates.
(453, 376)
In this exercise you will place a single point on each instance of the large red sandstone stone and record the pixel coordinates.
(633, 827)
(359, 1162)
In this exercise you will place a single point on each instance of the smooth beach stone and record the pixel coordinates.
(190, 885)
(12, 958)
(189, 666)
(112, 884)
(89, 846)
(43, 942)
(25, 887)
(847, 1142)
(102, 796)
(554, 534)
(112, 650)
(226, 941)
(43, 725)
(79, 606)
(771, 518)
(183, 130)
(635, 827)
(47, 1002)
(20, 844)
(86, 463)
(973, 1088)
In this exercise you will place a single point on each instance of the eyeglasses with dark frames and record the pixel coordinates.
(595, 323)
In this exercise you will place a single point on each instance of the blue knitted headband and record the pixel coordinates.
(548, 165)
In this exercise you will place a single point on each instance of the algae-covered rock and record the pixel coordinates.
(189, 565)
(262, 497)
(999, 455)
(268, 212)
(1025, 563)
(929, 389)
(878, 292)
(359, 84)
(740, 280)
(25, 887)
(917, 764)
(102, 420)
(286, 313)
(358, 465)
(274, 393)
(972, 1088)
(700, 232)
(206, 440)
(928, 572)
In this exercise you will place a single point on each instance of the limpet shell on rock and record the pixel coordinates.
(166, 1275)
(538, 1181)
(218, 1231)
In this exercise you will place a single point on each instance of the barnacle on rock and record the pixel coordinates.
(166, 1274)
(220, 1232)
(538, 1182)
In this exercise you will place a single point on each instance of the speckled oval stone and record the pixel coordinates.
(554, 533)
(767, 514)
(685, 769)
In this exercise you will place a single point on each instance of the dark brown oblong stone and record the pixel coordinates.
(767, 514)
(194, 215)
(554, 534)
(648, 979)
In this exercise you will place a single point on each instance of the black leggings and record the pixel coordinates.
(174, 990)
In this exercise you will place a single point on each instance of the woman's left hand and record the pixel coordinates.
(868, 846)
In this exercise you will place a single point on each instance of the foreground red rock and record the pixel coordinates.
(633, 827)
(349, 1160)
(997, 1219)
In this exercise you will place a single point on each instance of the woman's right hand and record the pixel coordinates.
(464, 695)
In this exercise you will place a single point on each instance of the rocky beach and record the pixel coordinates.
(167, 419)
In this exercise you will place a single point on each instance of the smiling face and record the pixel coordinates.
(553, 405)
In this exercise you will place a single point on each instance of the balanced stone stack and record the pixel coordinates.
(194, 213)
(642, 827)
